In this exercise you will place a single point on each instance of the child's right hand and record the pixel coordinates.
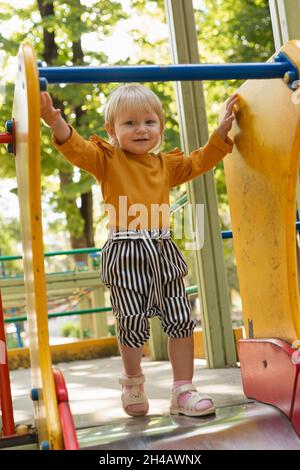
(48, 113)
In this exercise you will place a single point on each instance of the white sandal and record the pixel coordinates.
(135, 396)
(189, 408)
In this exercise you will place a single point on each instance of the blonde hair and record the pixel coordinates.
(125, 97)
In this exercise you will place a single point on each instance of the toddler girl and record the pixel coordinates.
(141, 265)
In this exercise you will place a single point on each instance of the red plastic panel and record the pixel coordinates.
(60, 386)
(66, 418)
(268, 372)
(296, 405)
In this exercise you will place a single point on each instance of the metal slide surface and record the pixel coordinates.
(239, 427)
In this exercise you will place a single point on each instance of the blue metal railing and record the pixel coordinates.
(162, 73)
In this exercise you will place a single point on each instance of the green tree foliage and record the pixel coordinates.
(231, 31)
(9, 235)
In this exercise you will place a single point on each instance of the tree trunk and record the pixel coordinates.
(50, 54)
(86, 210)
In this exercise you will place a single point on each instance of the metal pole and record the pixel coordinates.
(163, 73)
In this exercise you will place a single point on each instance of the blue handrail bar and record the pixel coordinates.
(228, 233)
(163, 73)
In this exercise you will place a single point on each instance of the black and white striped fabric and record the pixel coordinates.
(144, 271)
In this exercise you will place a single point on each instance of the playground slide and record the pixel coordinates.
(261, 178)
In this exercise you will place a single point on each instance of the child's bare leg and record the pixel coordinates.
(131, 358)
(181, 354)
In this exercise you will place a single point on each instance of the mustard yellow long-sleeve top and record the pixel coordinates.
(136, 188)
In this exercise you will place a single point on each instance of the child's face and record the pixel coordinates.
(136, 132)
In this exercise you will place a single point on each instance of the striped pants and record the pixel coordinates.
(144, 271)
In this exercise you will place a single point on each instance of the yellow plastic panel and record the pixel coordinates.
(261, 177)
(26, 112)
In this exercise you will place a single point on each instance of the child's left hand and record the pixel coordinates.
(227, 120)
